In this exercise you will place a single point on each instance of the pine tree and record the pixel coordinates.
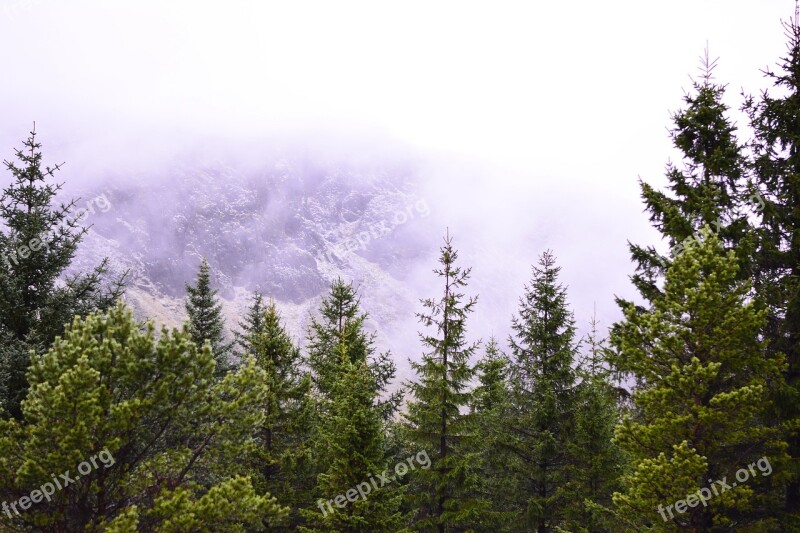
(206, 323)
(340, 315)
(443, 495)
(283, 458)
(38, 245)
(700, 408)
(776, 175)
(168, 436)
(540, 426)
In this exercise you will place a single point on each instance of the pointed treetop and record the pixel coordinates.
(707, 66)
(792, 29)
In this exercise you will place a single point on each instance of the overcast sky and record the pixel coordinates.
(541, 115)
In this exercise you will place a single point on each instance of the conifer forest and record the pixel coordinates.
(241, 380)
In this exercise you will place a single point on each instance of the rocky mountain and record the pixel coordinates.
(287, 227)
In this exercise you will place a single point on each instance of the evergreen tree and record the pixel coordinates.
(541, 423)
(340, 316)
(283, 455)
(443, 495)
(775, 121)
(354, 450)
(168, 436)
(206, 323)
(38, 244)
(489, 406)
(597, 460)
(349, 441)
(707, 191)
(252, 322)
(700, 407)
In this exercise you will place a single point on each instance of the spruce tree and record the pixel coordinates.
(489, 406)
(444, 495)
(355, 453)
(283, 458)
(340, 315)
(252, 322)
(707, 190)
(349, 441)
(38, 244)
(168, 436)
(776, 178)
(541, 423)
(700, 407)
(596, 458)
(206, 323)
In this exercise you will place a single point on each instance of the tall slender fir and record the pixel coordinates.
(444, 495)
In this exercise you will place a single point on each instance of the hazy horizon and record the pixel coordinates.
(528, 126)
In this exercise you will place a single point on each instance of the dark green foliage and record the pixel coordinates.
(707, 191)
(206, 323)
(546, 438)
(597, 460)
(776, 177)
(541, 423)
(282, 460)
(354, 452)
(349, 439)
(489, 405)
(444, 495)
(341, 323)
(252, 322)
(38, 244)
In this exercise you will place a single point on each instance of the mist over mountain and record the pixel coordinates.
(287, 227)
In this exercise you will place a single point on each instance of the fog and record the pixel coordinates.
(527, 124)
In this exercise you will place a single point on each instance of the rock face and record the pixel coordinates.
(286, 228)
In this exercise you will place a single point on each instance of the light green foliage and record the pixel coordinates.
(700, 408)
(174, 432)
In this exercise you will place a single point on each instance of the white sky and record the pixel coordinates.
(571, 99)
(578, 83)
